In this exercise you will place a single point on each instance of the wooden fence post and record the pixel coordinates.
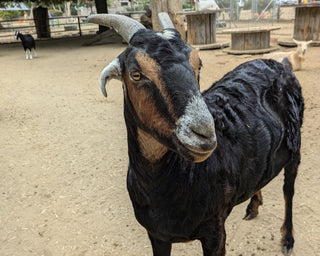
(41, 21)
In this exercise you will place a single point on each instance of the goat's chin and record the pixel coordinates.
(194, 154)
(198, 158)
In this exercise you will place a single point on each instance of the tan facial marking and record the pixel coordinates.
(195, 62)
(146, 109)
(151, 69)
(149, 147)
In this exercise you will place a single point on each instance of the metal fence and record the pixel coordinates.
(76, 26)
(59, 27)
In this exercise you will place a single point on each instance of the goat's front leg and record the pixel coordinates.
(290, 174)
(213, 242)
(252, 208)
(159, 247)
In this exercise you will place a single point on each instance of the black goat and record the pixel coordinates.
(28, 43)
(193, 156)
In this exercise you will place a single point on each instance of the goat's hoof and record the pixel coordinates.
(286, 251)
(287, 245)
(250, 216)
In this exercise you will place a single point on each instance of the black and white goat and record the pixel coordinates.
(28, 44)
(193, 156)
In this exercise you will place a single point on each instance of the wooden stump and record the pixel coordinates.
(201, 27)
(307, 22)
(250, 41)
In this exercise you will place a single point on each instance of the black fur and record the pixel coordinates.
(258, 112)
(27, 40)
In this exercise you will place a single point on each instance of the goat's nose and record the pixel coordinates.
(204, 135)
(196, 128)
(204, 127)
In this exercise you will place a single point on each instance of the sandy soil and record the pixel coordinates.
(63, 160)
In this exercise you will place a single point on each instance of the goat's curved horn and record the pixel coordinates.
(124, 25)
(165, 20)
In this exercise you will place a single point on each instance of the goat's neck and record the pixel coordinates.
(144, 150)
(149, 147)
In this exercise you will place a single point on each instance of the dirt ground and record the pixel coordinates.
(63, 160)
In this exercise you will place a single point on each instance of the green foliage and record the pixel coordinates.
(7, 15)
(73, 8)
(186, 5)
(56, 12)
(44, 3)
(140, 6)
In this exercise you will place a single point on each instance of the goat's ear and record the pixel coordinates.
(309, 42)
(112, 71)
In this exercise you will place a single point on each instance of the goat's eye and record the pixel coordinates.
(136, 76)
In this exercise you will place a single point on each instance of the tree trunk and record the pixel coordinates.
(68, 9)
(41, 21)
(171, 7)
(101, 6)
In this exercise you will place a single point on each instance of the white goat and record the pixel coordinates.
(295, 57)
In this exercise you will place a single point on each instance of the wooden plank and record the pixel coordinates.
(207, 29)
(312, 18)
(250, 30)
(213, 28)
(190, 32)
(264, 40)
(307, 28)
(315, 23)
(316, 33)
(296, 24)
(239, 52)
(252, 41)
(300, 24)
(201, 29)
(237, 42)
(197, 27)
(190, 13)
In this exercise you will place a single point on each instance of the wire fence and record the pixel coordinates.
(59, 27)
